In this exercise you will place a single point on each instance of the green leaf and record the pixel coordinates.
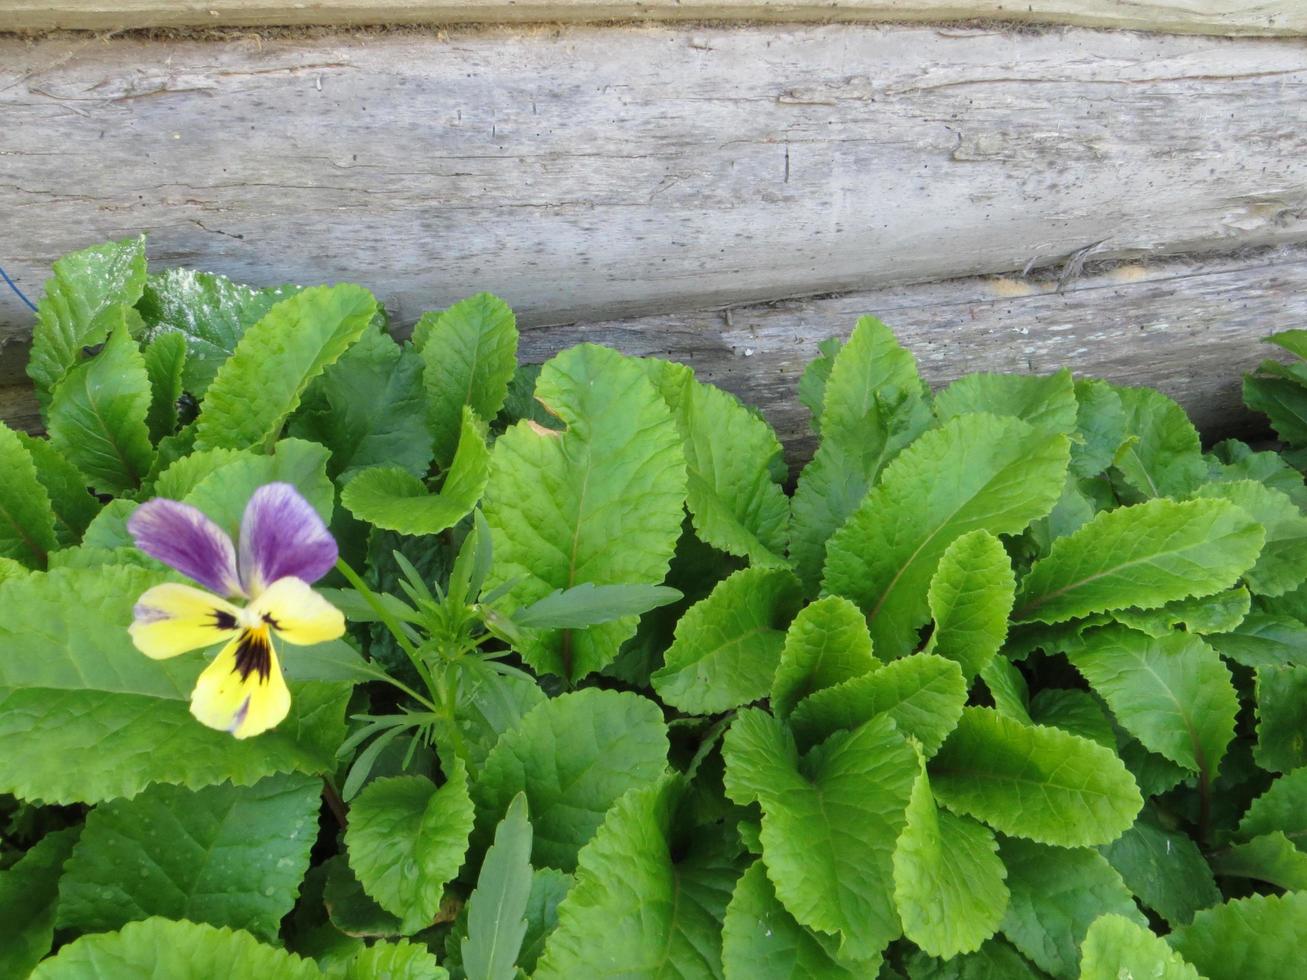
(75, 507)
(1271, 858)
(165, 359)
(826, 644)
(761, 940)
(496, 918)
(1264, 640)
(727, 646)
(573, 756)
(970, 597)
(209, 312)
(1144, 556)
(995, 960)
(223, 493)
(81, 303)
(1283, 401)
(924, 695)
(586, 604)
(395, 499)
(829, 822)
(1035, 782)
(469, 353)
(1161, 456)
(1008, 689)
(874, 405)
(1283, 807)
(1218, 613)
(638, 909)
(1172, 693)
(27, 523)
(1077, 712)
(1057, 893)
(490, 704)
(548, 889)
(1100, 427)
(29, 901)
(97, 416)
(600, 502)
(976, 472)
(1281, 694)
(1233, 460)
(1117, 947)
(948, 879)
(400, 960)
(1282, 564)
(369, 409)
(812, 383)
(1165, 870)
(225, 855)
(176, 950)
(406, 840)
(350, 909)
(1252, 937)
(734, 502)
(261, 384)
(1048, 403)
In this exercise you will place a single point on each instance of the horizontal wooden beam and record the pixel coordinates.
(1229, 17)
(1190, 329)
(589, 173)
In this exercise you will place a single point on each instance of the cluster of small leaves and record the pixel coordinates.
(1012, 684)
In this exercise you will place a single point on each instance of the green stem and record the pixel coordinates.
(391, 624)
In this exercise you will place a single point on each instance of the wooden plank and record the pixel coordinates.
(1190, 329)
(1231, 17)
(588, 173)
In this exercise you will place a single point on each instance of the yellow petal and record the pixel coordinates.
(297, 613)
(171, 619)
(242, 691)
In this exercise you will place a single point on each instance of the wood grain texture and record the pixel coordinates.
(1190, 329)
(588, 173)
(1231, 17)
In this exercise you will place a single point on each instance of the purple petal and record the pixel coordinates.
(281, 534)
(181, 536)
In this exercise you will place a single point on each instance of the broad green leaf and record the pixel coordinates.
(599, 502)
(1073, 510)
(1100, 427)
(176, 950)
(1233, 460)
(81, 304)
(1283, 401)
(1283, 807)
(260, 385)
(826, 644)
(369, 409)
(469, 352)
(1057, 893)
(224, 493)
(1165, 870)
(1271, 858)
(496, 917)
(225, 855)
(1257, 937)
(1008, 689)
(761, 940)
(400, 960)
(27, 522)
(727, 646)
(165, 359)
(735, 503)
(830, 822)
(11, 569)
(1048, 403)
(1115, 947)
(29, 901)
(1282, 564)
(1281, 694)
(971, 596)
(548, 889)
(996, 960)
(812, 383)
(97, 416)
(1034, 782)
(1264, 640)
(976, 472)
(924, 695)
(393, 498)
(1218, 613)
(1077, 712)
(874, 405)
(406, 840)
(1143, 556)
(573, 756)
(351, 910)
(948, 879)
(183, 475)
(1161, 456)
(639, 908)
(586, 604)
(74, 506)
(1172, 693)
(1294, 341)
(1153, 774)
(210, 312)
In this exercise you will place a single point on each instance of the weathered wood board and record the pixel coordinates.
(1261, 17)
(1189, 329)
(589, 173)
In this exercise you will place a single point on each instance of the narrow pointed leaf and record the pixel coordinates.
(496, 918)
(586, 604)
(165, 359)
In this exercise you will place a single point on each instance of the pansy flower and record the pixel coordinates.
(284, 546)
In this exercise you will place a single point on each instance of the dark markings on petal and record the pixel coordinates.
(267, 618)
(223, 620)
(239, 717)
(254, 653)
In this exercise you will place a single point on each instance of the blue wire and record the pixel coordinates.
(12, 285)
